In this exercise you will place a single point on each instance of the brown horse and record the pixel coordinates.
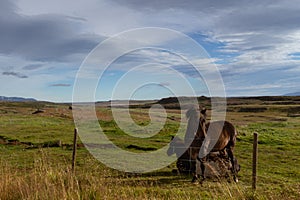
(218, 136)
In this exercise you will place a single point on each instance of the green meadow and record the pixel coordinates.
(36, 154)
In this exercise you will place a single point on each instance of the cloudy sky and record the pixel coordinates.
(253, 44)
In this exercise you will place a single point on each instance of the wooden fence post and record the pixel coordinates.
(74, 150)
(254, 160)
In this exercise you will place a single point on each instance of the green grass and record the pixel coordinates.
(26, 127)
(121, 139)
(45, 173)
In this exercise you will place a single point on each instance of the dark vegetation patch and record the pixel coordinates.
(8, 141)
(132, 146)
(293, 111)
(274, 98)
(282, 103)
(55, 143)
(3, 139)
(253, 109)
(173, 102)
(102, 146)
(29, 145)
(293, 115)
(38, 111)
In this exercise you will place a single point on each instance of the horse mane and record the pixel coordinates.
(192, 112)
(192, 115)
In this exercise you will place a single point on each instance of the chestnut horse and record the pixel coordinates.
(218, 136)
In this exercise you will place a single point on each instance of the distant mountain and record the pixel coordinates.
(16, 99)
(293, 94)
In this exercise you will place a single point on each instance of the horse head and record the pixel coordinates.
(171, 149)
(176, 147)
(201, 131)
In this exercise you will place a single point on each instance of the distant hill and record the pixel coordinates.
(16, 99)
(293, 94)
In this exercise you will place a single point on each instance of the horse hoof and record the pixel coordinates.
(236, 179)
(194, 180)
(195, 183)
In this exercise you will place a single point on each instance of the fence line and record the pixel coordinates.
(74, 150)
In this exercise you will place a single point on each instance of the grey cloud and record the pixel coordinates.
(241, 15)
(277, 16)
(32, 66)
(48, 37)
(194, 5)
(15, 74)
(8, 9)
(60, 85)
(164, 84)
(268, 21)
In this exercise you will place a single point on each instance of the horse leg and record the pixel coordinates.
(195, 177)
(194, 169)
(202, 167)
(233, 163)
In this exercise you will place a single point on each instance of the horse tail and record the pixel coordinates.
(232, 132)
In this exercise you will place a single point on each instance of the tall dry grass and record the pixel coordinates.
(42, 181)
(46, 179)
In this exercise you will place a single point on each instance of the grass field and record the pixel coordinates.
(32, 168)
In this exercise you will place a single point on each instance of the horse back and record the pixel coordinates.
(227, 136)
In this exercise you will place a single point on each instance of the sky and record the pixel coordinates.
(254, 45)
